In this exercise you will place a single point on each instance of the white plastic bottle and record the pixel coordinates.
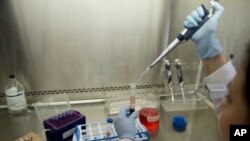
(15, 96)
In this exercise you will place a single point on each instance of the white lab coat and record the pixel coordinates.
(224, 75)
(217, 84)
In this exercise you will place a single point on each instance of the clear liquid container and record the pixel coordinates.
(15, 96)
(149, 114)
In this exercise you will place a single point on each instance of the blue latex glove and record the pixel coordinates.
(208, 45)
(125, 124)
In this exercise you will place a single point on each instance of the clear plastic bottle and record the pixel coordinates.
(15, 96)
(149, 114)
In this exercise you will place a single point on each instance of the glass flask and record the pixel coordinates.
(15, 96)
(149, 114)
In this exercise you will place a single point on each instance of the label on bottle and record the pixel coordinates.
(15, 100)
(153, 118)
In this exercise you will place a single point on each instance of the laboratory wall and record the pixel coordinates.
(80, 44)
(74, 44)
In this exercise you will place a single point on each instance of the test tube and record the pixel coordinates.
(132, 97)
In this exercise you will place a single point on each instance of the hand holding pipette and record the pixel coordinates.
(185, 35)
(208, 45)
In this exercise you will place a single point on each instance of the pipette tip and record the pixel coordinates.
(143, 73)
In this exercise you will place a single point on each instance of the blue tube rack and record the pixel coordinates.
(101, 131)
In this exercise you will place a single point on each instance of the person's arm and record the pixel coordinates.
(209, 48)
(210, 65)
(222, 75)
(208, 45)
(219, 73)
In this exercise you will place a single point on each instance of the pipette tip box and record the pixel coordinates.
(61, 127)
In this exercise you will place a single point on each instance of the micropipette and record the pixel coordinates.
(180, 77)
(184, 36)
(169, 76)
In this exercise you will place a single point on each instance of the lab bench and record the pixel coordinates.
(201, 123)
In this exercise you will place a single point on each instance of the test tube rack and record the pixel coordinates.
(106, 131)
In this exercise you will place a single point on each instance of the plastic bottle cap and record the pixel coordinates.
(12, 76)
(109, 120)
(179, 123)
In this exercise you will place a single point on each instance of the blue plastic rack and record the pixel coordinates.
(106, 131)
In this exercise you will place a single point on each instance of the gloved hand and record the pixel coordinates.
(208, 45)
(125, 123)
